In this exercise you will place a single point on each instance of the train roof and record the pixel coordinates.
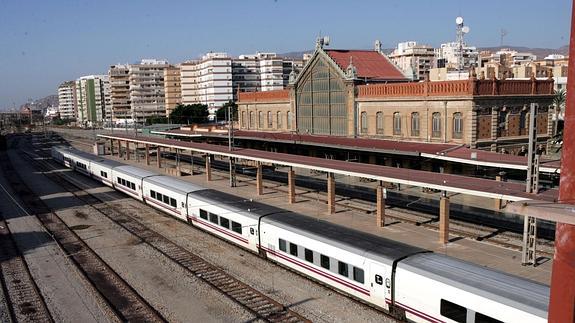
(236, 204)
(530, 296)
(172, 183)
(134, 171)
(358, 242)
(361, 243)
(88, 156)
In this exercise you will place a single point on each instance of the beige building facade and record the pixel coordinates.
(172, 88)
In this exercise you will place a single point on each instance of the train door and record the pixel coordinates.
(379, 284)
(253, 234)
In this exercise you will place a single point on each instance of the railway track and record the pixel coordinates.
(261, 305)
(22, 297)
(125, 302)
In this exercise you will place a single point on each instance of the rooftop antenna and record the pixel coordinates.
(461, 31)
(503, 33)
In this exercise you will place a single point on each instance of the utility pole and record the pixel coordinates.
(532, 186)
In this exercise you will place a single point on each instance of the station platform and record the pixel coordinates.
(481, 253)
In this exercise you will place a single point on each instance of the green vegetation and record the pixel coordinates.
(222, 113)
(190, 113)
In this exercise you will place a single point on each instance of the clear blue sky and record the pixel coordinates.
(45, 42)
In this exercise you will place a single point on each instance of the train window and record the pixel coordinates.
(358, 275)
(453, 311)
(133, 186)
(213, 218)
(153, 194)
(342, 268)
(283, 245)
(118, 179)
(103, 174)
(308, 255)
(159, 196)
(173, 202)
(324, 261)
(293, 249)
(482, 318)
(224, 222)
(166, 199)
(203, 214)
(236, 227)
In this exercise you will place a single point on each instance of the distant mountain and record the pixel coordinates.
(540, 52)
(42, 103)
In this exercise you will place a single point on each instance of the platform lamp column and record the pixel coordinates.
(111, 147)
(444, 218)
(380, 212)
(127, 150)
(499, 202)
(330, 193)
(562, 299)
(119, 148)
(291, 186)
(159, 156)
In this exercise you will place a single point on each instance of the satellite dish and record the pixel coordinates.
(459, 20)
(326, 40)
(465, 29)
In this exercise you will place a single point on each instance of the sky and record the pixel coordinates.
(44, 43)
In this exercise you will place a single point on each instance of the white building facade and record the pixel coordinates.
(92, 95)
(67, 100)
(415, 60)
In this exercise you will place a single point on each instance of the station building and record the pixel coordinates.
(362, 94)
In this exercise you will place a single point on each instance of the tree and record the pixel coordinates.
(186, 113)
(559, 102)
(222, 113)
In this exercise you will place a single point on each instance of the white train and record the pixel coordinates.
(409, 282)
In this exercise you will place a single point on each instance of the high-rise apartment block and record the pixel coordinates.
(415, 60)
(67, 100)
(449, 55)
(92, 95)
(172, 88)
(120, 92)
(147, 97)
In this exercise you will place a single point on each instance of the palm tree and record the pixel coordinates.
(559, 102)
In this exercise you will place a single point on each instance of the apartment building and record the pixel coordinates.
(448, 55)
(67, 100)
(92, 94)
(172, 88)
(207, 81)
(147, 96)
(119, 93)
(415, 60)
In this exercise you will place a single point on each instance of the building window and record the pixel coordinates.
(243, 119)
(260, 120)
(415, 124)
(252, 120)
(364, 122)
(289, 120)
(270, 120)
(279, 124)
(457, 125)
(379, 123)
(436, 124)
(396, 123)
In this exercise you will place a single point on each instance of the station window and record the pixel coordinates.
(224, 222)
(213, 218)
(282, 244)
(453, 311)
(236, 227)
(203, 214)
(342, 268)
(173, 202)
(153, 194)
(324, 261)
(293, 249)
(358, 275)
(308, 255)
(482, 318)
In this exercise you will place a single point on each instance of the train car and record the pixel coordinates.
(168, 194)
(77, 160)
(129, 180)
(354, 262)
(438, 288)
(101, 169)
(227, 216)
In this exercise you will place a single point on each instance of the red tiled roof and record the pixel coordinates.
(276, 95)
(368, 63)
